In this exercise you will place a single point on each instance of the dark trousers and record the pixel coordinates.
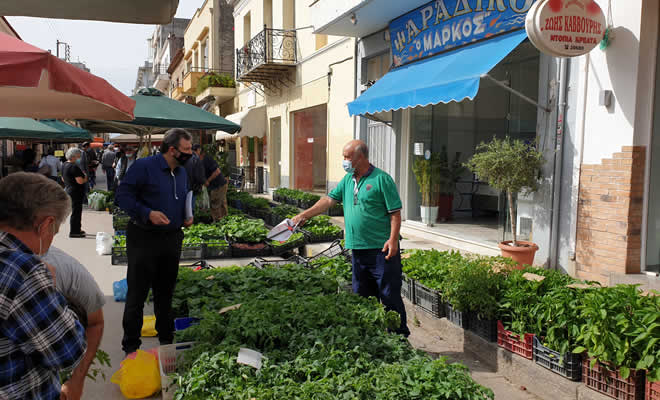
(76, 210)
(110, 177)
(374, 276)
(153, 263)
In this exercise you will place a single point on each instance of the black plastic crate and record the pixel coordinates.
(484, 328)
(120, 221)
(214, 250)
(312, 238)
(305, 204)
(263, 263)
(192, 252)
(428, 300)
(119, 256)
(274, 219)
(237, 252)
(288, 247)
(333, 251)
(569, 366)
(408, 288)
(458, 318)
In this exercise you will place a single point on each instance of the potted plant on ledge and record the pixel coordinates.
(445, 176)
(423, 170)
(511, 166)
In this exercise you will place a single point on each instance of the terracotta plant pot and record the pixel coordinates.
(523, 254)
(445, 203)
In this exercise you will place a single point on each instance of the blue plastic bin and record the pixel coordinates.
(183, 323)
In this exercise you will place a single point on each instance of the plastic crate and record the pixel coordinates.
(312, 238)
(484, 328)
(120, 233)
(119, 256)
(408, 289)
(652, 390)
(192, 252)
(168, 358)
(334, 250)
(214, 250)
(274, 219)
(428, 300)
(609, 382)
(569, 366)
(184, 323)
(262, 262)
(458, 318)
(510, 341)
(288, 247)
(120, 222)
(237, 252)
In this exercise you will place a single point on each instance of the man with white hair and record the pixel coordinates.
(74, 182)
(39, 334)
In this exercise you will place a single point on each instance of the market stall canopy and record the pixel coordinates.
(131, 11)
(36, 84)
(155, 112)
(30, 129)
(251, 121)
(452, 76)
(128, 138)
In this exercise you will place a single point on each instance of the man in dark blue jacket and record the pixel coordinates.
(153, 193)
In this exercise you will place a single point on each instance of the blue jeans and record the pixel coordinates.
(110, 177)
(374, 276)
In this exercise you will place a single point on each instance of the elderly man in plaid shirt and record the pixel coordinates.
(39, 335)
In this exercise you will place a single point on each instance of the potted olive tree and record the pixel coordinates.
(423, 170)
(445, 176)
(511, 166)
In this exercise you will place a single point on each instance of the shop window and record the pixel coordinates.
(247, 28)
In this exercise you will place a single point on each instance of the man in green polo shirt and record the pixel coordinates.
(372, 214)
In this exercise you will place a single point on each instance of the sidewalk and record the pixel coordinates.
(105, 274)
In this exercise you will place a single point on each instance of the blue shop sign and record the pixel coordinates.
(442, 25)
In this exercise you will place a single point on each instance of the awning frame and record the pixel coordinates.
(517, 93)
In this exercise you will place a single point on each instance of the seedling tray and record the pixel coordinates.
(508, 340)
(610, 383)
(569, 366)
(312, 238)
(652, 390)
(408, 289)
(238, 252)
(119, 256)
(261, 263)
(428, 300)
(215, 250)
(458, 318)
(484, 328)
(288, 247)
(192, 252)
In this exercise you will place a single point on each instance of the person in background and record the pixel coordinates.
(216, 184)
(39, 334)
(195, 170)
(107, 162)
(30, 160)
(372, 213)
(53, 163)
(92, 165)
(125, 163)
(78, 286)
(153, 193)
(74, 182)
(84, 167)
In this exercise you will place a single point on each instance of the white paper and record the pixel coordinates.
(189, 205)
(249, 357)
(310, 140)
(282, 232)
(419, 149)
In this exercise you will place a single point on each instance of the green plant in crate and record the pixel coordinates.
(285, 211)
(430, 267)
(621, 327)
(558, 319)
(119, 241)
(296, 237)
(337, 267)
(243, 230)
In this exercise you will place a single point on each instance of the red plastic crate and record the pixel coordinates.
(652, 390)
(610, 383)
(512, 342)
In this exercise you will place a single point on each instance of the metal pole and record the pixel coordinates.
(517, 93)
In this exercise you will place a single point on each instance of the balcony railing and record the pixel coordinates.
(266, 55)
(194, 74)
(160, 69)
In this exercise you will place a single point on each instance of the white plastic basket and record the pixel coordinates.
(167, 361)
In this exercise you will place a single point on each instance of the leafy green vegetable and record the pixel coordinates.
(295, 238)
(243, 230)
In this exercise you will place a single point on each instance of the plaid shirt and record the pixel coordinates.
(39, 335)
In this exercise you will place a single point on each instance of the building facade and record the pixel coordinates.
(166, 41)
(595, 213)
(292, 94)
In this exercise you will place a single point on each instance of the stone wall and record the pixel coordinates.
(610, 216)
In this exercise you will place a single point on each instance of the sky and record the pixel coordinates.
(110, 50)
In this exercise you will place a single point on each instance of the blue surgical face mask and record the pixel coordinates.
(348, 166)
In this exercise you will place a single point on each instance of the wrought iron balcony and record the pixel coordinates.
(160, 69)
(268, 57)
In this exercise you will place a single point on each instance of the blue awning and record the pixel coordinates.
(453, 76)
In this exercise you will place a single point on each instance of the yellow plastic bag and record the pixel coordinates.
(149, 326)
(138, 378)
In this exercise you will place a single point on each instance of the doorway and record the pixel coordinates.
(276, 151)
(310, 148)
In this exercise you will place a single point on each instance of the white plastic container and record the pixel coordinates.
(167, 361)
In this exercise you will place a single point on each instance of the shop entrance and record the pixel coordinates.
(310, 148)
(478, 211)
(276, 151)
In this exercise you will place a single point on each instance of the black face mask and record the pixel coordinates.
(183, 157)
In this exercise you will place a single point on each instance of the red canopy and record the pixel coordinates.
(36, 84)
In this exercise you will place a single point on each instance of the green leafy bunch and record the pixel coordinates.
(243, 230)
(119, 241)
(295, 238)
(337, 267)
(212, 79)
(285, 211)
(558, 318)
(430, 267)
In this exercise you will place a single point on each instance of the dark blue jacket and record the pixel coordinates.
(150, 185)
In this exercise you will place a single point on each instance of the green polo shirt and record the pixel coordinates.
(367, 210)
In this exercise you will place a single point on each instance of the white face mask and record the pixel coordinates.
(348, 166)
